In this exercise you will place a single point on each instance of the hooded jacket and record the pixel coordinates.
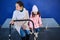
(37, 20)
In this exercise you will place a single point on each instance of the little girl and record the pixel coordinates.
(36, 18)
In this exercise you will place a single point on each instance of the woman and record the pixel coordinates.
(21, 27)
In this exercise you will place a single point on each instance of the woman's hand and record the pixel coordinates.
(24, 27)
(12, 22)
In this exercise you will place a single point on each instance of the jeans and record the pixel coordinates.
(23, 32)
(36, 29)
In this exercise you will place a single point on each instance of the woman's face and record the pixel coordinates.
(17, 6)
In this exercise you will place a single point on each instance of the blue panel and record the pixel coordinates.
(47, 8)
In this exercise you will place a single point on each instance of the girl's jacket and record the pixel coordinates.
(37, 21)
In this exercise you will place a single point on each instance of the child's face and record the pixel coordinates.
(35, 12)
(18, 7)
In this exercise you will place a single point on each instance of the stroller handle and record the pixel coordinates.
(17, 21)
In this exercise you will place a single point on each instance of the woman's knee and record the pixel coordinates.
(28, 32)
(22, 33)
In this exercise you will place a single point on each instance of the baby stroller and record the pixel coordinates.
(32, 32)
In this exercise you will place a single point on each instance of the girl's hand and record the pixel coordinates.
(30, 28)
(40, 25)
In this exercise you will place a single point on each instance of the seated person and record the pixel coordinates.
(21, 27)
(36, 18)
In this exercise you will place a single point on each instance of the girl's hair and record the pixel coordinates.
(20, 3)
(33, 15)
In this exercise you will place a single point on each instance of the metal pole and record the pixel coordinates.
(10, 31)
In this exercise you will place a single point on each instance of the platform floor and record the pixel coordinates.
(52, 33)
(49, 34)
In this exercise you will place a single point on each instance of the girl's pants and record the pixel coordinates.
(36, 30)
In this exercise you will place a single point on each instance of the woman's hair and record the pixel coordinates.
(33, 15)
(20, 3)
